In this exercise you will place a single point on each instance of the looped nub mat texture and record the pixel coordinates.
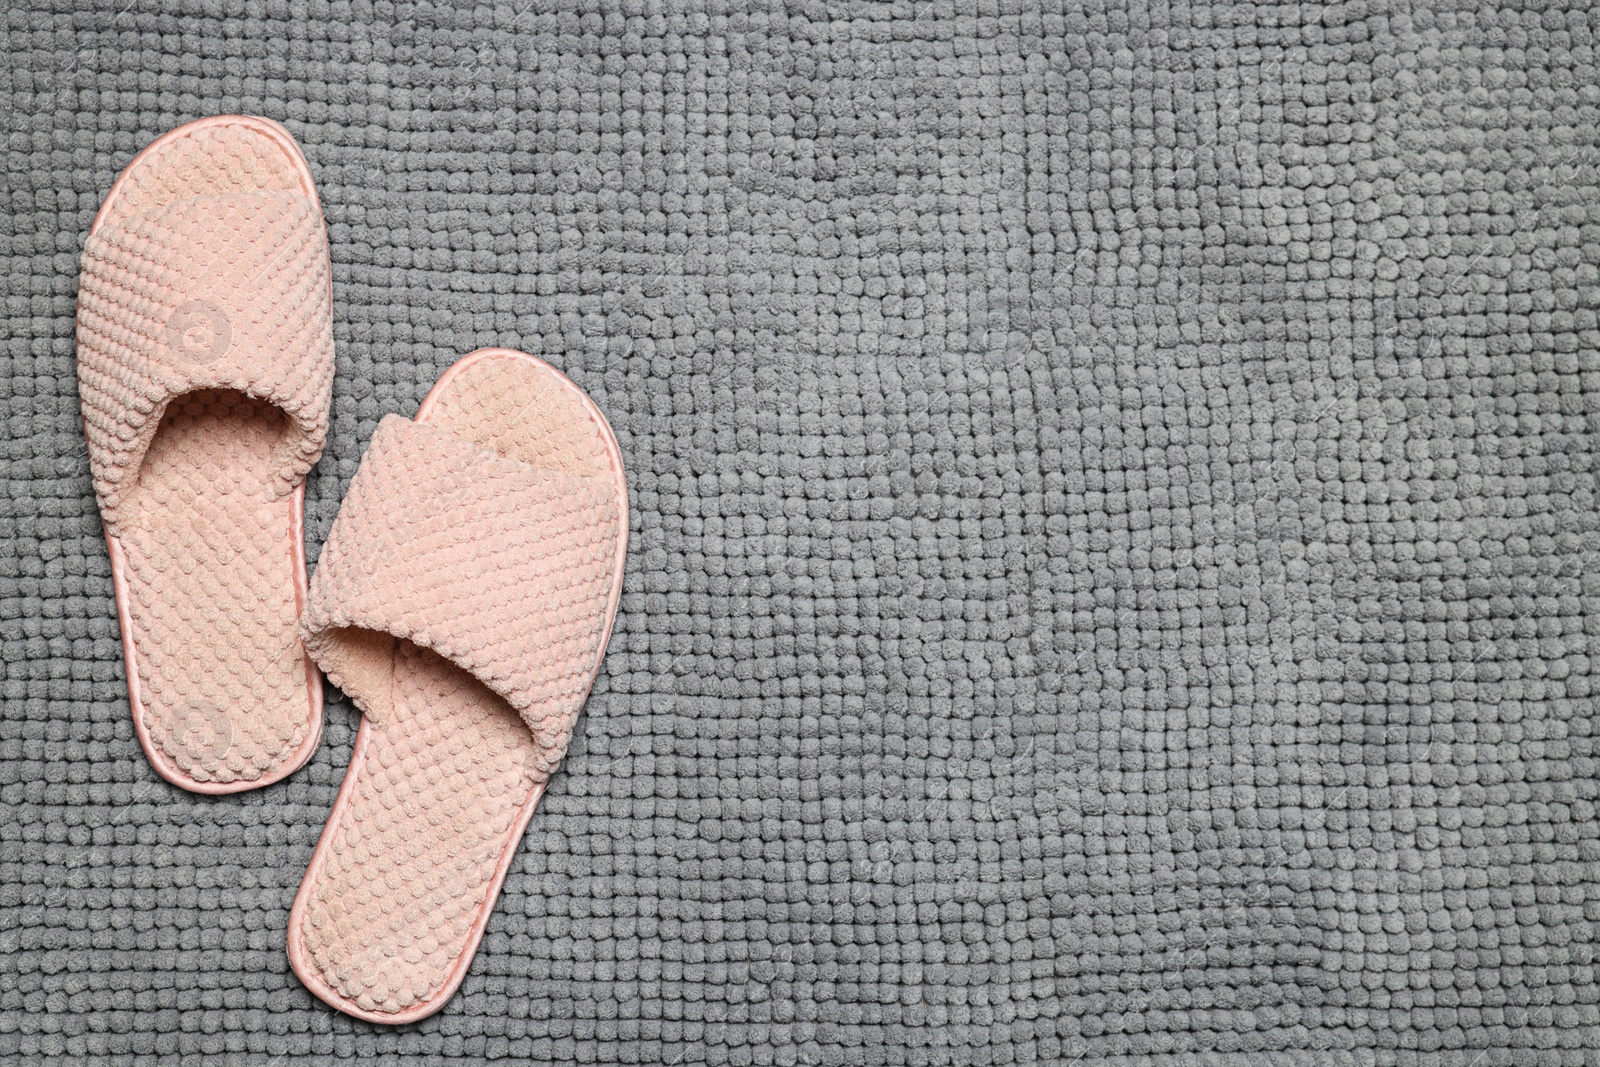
(205, 363)
(1114, 574)
(463, 601)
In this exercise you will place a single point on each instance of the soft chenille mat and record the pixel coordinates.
(1114, 551)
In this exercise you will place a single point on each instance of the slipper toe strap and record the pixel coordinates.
(504, 569)
(213, 292)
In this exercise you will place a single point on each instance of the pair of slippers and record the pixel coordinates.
(463, 600)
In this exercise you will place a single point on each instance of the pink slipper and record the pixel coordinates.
(205, 363)
(464, 600)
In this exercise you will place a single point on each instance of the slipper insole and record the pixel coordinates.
(209, 566)
(444, 778)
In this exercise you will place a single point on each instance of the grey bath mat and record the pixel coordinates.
(1113, 576)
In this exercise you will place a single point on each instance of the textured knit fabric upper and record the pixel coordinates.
(223, 290)
(502, 568)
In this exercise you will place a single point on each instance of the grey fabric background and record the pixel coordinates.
(1113, 573)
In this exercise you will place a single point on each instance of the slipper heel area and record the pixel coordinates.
(444, 779)
(222, 675)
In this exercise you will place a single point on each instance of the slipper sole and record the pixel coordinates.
(237, 723)
(384, 927)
